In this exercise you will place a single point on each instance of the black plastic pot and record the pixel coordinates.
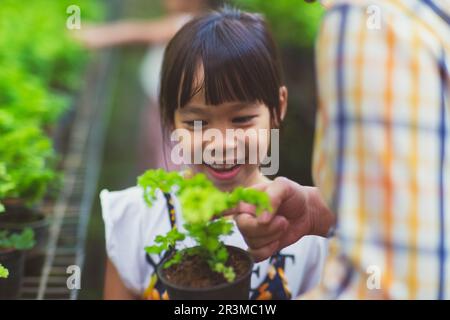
(13, 260)
(236, 290)
(15, 219)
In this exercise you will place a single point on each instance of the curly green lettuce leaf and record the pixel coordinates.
(167, 242)
(200, 205)
(257, 198)
(154, 180)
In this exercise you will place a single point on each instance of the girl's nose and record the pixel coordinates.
(230, 140)
(221, 145)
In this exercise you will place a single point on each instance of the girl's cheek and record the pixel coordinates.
(257, 146)
(263, 147)
(184, 148)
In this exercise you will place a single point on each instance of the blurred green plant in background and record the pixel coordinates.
(6, 184)
(30, 161)
(33, 36)
(41, 67)
(3, 272)
(294, 22)
(19, 241)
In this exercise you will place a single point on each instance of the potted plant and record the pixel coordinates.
(28, 159)
(12, 249)
(211, 269)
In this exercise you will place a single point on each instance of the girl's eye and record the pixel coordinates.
(243, 120)
(194, 122)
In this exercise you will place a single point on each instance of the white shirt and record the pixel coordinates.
(131, 225)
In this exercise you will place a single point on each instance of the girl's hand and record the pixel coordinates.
(297, 211)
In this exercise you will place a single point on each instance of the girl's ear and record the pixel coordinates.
(283, 101)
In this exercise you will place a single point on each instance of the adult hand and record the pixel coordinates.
(297, 211)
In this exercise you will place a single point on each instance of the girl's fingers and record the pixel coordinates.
(265, 252)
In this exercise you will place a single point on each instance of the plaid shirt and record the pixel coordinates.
(382, 149)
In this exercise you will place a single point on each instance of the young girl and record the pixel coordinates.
(221, 70)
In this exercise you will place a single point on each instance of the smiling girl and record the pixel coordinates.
(221, 71)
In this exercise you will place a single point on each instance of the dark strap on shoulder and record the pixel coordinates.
(170, 209)
(172, 219)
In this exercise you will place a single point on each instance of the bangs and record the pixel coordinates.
(226, 56)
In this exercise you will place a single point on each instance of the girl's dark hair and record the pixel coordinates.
(239, 58)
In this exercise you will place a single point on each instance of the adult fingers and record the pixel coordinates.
(252, 228)
(277, 191)
(241, 208)
(265, 252)
(259, 242)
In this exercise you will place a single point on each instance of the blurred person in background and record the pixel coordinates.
(381, 157)
(155, 33)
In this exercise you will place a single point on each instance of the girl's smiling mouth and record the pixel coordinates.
(224, 171)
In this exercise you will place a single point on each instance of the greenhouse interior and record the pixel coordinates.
(224, 150)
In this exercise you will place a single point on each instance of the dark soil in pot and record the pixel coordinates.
(13, 260)
(192, 279)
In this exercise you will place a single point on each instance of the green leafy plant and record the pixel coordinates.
(19, 241)
(294, 22)
(203, 206)
(3, 272)
(6, 184)
(40, 66)
(29, 159)
(33, 35)
(40, 62)
(27, 100)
